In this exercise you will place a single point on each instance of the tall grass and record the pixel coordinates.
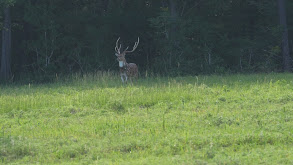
(95, 119)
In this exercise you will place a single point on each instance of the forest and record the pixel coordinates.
(215, 82)
(45, 38)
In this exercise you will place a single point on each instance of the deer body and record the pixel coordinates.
(126, 69)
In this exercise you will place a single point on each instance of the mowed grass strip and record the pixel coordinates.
(232, 119)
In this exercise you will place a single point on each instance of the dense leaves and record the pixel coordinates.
(178, 37)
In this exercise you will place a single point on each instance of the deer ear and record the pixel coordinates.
(116, 54)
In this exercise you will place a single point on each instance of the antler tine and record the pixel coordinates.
(126, 49)
(134, 47)
(116, 47)
(119, 48)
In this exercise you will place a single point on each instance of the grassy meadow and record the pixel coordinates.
(230, 119)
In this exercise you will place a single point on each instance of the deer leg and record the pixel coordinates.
(121, 75)
(130, 80)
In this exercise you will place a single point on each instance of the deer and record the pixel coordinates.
(126, 69)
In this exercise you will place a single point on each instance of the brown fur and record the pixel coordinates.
(132, 70)
(127, 70)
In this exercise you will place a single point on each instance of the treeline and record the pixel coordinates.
(41, 38)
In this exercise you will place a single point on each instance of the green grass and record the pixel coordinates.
(233, 119)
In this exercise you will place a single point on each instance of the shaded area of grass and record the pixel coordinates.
(236, 119)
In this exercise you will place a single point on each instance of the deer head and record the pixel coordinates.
(125, 68)
(121, 55)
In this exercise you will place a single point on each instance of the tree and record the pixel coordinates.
(173, 16)
(178, 37)
(285, 43)
(5, 72)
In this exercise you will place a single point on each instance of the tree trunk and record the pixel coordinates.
(174, 14)
(285, 43)
(5, 72)
(172, 30)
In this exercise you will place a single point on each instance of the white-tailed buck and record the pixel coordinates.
(126, 69)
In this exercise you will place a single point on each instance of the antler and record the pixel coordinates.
(134, 47)
(116, 47)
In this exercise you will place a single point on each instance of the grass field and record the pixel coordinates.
(232, 119)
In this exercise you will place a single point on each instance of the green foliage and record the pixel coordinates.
(5, 3)
(94, 119)
(196, 37)
(46, 41)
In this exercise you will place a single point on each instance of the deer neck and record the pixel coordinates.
(123, 64)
